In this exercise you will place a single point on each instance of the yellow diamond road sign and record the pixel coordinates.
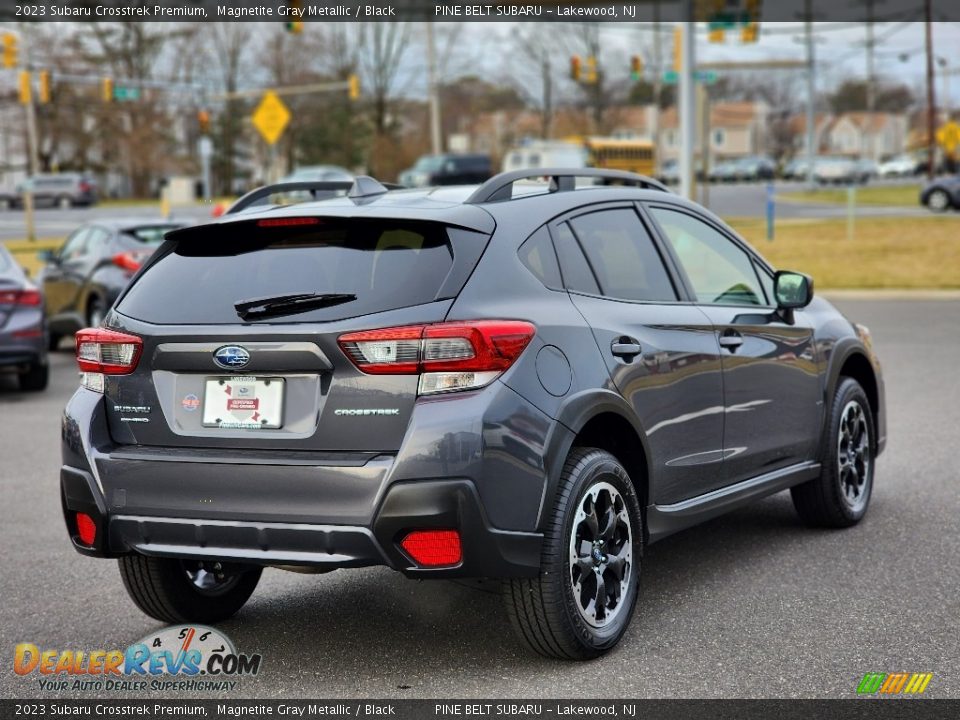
(949, 136)
(271, 117)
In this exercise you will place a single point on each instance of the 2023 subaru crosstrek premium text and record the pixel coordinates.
(521, 381)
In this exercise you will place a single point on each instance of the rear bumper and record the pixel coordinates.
(487, 551)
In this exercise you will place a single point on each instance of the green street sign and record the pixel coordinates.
(122, 92)
(707, 77)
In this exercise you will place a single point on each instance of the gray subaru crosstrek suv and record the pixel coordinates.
(523, 380)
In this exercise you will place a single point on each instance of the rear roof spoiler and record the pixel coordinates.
(361, 187)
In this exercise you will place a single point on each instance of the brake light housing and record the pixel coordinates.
(103, 352)
(448, 356)
(28, 297)
(129, 261)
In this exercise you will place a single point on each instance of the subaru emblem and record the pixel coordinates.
(231, 357)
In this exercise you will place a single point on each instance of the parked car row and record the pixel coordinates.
(62, 190)
(74, 290)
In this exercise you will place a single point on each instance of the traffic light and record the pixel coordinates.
(294, 26)
(591, 78)
(10, 50)
(353, 87)
(750, 33)
(575, 69)
(716, 35)
(26, 91)
(636, 67)
(45, 89)
(106, 89)
(203, 121)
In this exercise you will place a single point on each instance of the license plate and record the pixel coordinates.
(243, 403)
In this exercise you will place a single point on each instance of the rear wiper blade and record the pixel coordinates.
(278, 305)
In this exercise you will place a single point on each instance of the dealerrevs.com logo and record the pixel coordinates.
(898, 683)
(178, 658)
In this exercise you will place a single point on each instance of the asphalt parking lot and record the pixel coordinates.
(749, 605)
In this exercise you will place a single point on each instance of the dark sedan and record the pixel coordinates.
(93, 266)
(23, 342)
(942, 194)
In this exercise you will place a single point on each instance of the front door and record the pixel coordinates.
(772, 399)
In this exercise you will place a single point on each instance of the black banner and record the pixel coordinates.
(860, 709)
(714, 11)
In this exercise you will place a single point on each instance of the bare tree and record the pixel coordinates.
(536, 80)
(229, 46)
(381, 48)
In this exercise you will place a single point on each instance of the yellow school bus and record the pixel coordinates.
(613, 154)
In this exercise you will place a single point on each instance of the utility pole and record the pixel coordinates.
(657, 82)
(931, 99)
(436, 144)
(811, 96)
(871, 85)
(687, 106)
(32, 142)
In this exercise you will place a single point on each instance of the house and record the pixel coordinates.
(737, 129)
(874, 136)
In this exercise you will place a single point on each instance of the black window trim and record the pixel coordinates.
(756, 262)
(668, 263)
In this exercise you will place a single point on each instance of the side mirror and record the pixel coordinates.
(47, 256)
(792, 290)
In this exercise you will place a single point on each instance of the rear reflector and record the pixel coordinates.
(447, 356)
(20, 297)
(107, 352)
(86, 529)
(433, 548)
(288, 222)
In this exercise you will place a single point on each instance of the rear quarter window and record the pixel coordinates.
(199, 278)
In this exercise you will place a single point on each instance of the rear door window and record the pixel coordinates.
(622, 255)
(386, 264)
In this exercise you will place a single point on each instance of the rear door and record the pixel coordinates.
(56, 276)
(661, 353)
(772, 392)
(209, 378)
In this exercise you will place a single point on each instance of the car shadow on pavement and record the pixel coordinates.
(370, 623)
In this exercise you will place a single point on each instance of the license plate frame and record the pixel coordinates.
(243, 402)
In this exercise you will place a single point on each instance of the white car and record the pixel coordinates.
(902, 166)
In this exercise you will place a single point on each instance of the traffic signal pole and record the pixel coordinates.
(687, 105)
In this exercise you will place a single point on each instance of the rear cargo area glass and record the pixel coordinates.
(198, 279)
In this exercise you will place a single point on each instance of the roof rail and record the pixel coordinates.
(500, 187)
(360, 187)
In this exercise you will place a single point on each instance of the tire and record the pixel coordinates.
(163, 589)
(35, 378)
(938, 201)
(547, 613)
(96, 311)
(840, 496)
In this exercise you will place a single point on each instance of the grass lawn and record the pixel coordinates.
(892, 195)
(918, 253)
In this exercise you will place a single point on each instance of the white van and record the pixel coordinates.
(545, 154)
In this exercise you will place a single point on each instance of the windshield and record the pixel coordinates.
(429, 163)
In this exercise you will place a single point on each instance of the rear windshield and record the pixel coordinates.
(386, 264)
(149, 235)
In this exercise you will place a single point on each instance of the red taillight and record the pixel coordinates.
(432, 548)
(84, 187)
(20, 297)
(107, 351)
(288, 222)
(129, 261)
(86, 529)
(448, 356)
